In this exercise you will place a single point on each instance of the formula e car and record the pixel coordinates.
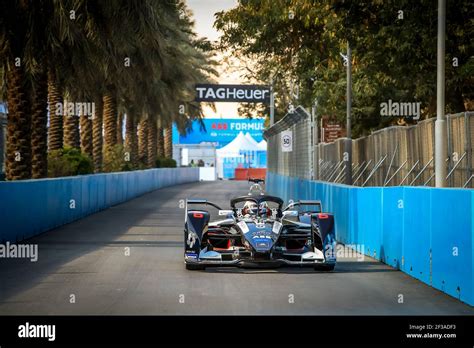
(258, 232)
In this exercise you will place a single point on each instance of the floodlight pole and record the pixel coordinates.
(272, 104)
(315, 149)
(348, 142)
(441, 151)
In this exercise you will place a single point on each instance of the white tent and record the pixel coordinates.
(240, 143)
(262, 146)
(251, 140)
(233, 150)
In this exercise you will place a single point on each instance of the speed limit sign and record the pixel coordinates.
(287, 141)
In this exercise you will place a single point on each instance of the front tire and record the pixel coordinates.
(194, 267)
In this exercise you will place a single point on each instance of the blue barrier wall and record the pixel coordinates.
(30, 207)
(425, 232)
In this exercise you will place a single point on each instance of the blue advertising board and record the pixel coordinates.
(220, 131)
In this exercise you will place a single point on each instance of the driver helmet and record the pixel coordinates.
(250, 207)
(265, 209)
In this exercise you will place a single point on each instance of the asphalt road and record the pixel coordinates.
(83, 268)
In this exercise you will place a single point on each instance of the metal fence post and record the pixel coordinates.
(450, 146)
(468, 145)
(348, 143)
(440, 125)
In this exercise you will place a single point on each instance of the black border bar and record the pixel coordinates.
(191, 330)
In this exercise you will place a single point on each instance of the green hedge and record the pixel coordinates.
(68, 162)
(163, 162)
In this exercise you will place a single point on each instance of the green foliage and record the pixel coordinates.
(142, 54)
(301, 42)
(115, 160)
(163, 162)
(68, 162)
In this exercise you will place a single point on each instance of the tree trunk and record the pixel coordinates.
(131, 145)
(110, 120)
(160, 143)
(143, 141)
(71, 130)
(55, 99)
(18, 149)
(86, 136)
(152, 148)
(120, 129)
(168, 142)
(39, 131)
(97, 140)
(110, 127)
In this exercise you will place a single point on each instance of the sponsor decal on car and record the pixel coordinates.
(191, 256)
(243, 226)
(276, 227)
(262, 243)
(191, 239)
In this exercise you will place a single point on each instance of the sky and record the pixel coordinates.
(203, 15)
(204, 10)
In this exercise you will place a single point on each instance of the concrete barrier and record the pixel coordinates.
(30, 207)
(425, 232)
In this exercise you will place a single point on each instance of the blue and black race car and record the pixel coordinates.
(257, 232)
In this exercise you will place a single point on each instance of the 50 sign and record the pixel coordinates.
(287, 141)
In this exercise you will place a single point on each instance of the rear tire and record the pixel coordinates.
(194, 267)
(325, 267)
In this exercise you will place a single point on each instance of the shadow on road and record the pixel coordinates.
(60, 246)
(341, 267)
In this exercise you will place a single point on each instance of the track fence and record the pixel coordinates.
(393, 156)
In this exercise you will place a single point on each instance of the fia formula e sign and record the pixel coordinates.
(233, 93)
(287, 141)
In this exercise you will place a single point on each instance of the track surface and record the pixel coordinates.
(88, 259)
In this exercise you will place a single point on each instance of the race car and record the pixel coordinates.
(258, 232)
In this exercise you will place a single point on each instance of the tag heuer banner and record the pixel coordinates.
(233, 93)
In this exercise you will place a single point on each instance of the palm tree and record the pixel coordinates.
(110, 122)
(168, 142)
(131, 144)
(84, 59)
(160, 140)
(86, 135)
(55, 99)
(71, 130)
(18, 149)
(13, 38)
(39, 135)
(143, 141)
(151, 143)
(97, 138)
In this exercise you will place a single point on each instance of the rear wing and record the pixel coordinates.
(305, 202)
(256, 180)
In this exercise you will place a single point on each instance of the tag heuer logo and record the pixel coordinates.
(233, 93)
